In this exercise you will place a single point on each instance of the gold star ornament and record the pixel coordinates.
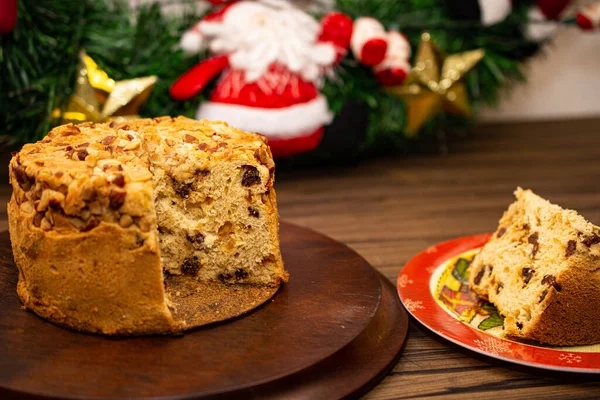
(428, 91)
(98, 98)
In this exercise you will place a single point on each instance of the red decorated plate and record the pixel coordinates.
(434, 288)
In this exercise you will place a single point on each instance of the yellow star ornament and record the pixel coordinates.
(98, 98)
(428, 91)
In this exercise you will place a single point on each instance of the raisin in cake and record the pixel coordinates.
(542, 271)
(148, 226)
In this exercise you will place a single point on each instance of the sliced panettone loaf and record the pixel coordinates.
(541, 269)
(147, 226)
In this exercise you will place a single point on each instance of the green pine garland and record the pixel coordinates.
(38, 61)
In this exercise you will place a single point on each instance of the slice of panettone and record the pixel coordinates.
(541, 269)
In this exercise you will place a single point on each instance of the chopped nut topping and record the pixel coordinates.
(543, 295)
(501, 232)
(86, 214)
(125, 221)
(108, 140)
(26, 207)
(95, 208)
(45, 224)
(70, 130)
(90, 224)
(134, 144)
(22, 178)
(109, 165)
(187, 138)
(261, 155)
(139, 175)
(37, 219)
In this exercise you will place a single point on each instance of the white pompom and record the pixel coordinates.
(541, 30)
(398, 45)
(368, 42)
(494, 11)
(191, 42)
(323, 54)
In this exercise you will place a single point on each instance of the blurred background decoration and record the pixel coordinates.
(364, 78)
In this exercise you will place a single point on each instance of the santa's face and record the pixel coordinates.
(258, 34)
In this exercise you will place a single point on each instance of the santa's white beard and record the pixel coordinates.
(258, 34)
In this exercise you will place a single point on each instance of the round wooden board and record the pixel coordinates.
(352, 371)
(333, 298)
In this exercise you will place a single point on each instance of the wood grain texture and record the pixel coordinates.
(388, 210)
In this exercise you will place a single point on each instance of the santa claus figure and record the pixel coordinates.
(272, 58)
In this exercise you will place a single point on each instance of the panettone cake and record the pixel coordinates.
(147, 226)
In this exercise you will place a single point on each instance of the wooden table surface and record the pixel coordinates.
(391, 209)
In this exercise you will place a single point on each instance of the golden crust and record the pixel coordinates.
(83, 223)
(89, 280)
(570, 316)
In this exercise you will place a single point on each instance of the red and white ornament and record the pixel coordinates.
(542, 16)
(395, 66)
(387, 52)
(369, 41)
(588, 18)
(272, 58)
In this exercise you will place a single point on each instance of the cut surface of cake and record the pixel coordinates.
(147, 226)
(541, 269)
